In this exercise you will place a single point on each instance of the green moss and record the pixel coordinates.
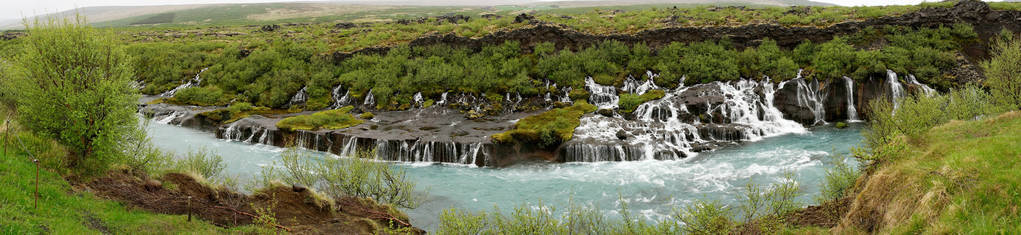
(841, 125)
(629, 102)
(329, 119)
(237, 111)
(428, 103)
(547, 129)
(367, 115)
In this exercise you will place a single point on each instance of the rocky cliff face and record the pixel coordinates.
(987, 23)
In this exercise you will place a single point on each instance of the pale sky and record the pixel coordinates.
(16, 9)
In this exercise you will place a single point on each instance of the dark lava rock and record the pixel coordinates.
(270, 28)
(522, 18)
(622, 135)
(344, 25)
(605, 112)
(244, 53)
(454, 19)
(298, 188)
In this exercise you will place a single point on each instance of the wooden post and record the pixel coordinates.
(36, 203)
(189, 208)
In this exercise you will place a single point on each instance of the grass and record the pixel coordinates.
(548, 128)
(960, 177)
(329, 119)
(64, 211)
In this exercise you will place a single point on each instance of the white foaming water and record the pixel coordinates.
(443, 99)
(896, 90)
(418, 100)
(193, 83)
(300, 97)
(808, 96)
(658, 133)
(634, 86)
(339, 100)
(925, 88)
(852, 113)
(604, 97)
(369, 98)
(651, 187)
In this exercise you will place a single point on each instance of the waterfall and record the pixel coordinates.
(299, 98)
(196, 81)
(925, 88)
(171, 117)
(634, 86)
(808, 96)
(896, 90)
(232, 133)
(369, 99)
(418, 100)
(443, 99)
(338, 100)
(852, 113)
(659, 133)
(266, 137)
(605, 97)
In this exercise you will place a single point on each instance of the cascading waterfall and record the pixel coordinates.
(232, 133)
(808, 96)
(196, 81)
(299, 98)
(339, 100)
(443, 99)
(604, 97)
(634, 86)
(657, 131)
(925, 88)
(370, 100)
(896, 89)
(852, 113)
(418, 100)
(171, 117)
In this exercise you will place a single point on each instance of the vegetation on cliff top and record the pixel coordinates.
(325, 120)
(548, 129)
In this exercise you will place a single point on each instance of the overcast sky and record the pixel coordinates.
(15, 9)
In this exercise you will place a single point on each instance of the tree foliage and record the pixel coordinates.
(74, 85)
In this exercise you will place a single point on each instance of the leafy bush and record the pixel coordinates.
(201, 96)
(547, 129)
(838, 182)
(329, 119)
(74, 85)
(1003, 72)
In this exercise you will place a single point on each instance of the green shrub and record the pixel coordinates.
(357, 176)
(838, 182)
(330, 119)
(75, 86)
(547, 129)
(202, 162)
(201, 96)
(1003, 72)
(706, 217)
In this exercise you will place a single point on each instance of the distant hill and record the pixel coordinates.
(265, 13)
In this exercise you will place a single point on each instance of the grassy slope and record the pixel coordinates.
(962, 177)
(62, 211)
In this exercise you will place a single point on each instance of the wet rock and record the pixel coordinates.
(605, 112)
(621, 135)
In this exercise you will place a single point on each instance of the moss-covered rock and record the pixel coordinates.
(329, 119)
(547, 129)
(629, 102)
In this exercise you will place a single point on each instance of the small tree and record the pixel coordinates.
(1003, 71)
(74, 85)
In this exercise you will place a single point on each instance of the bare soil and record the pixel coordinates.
(295, 209)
